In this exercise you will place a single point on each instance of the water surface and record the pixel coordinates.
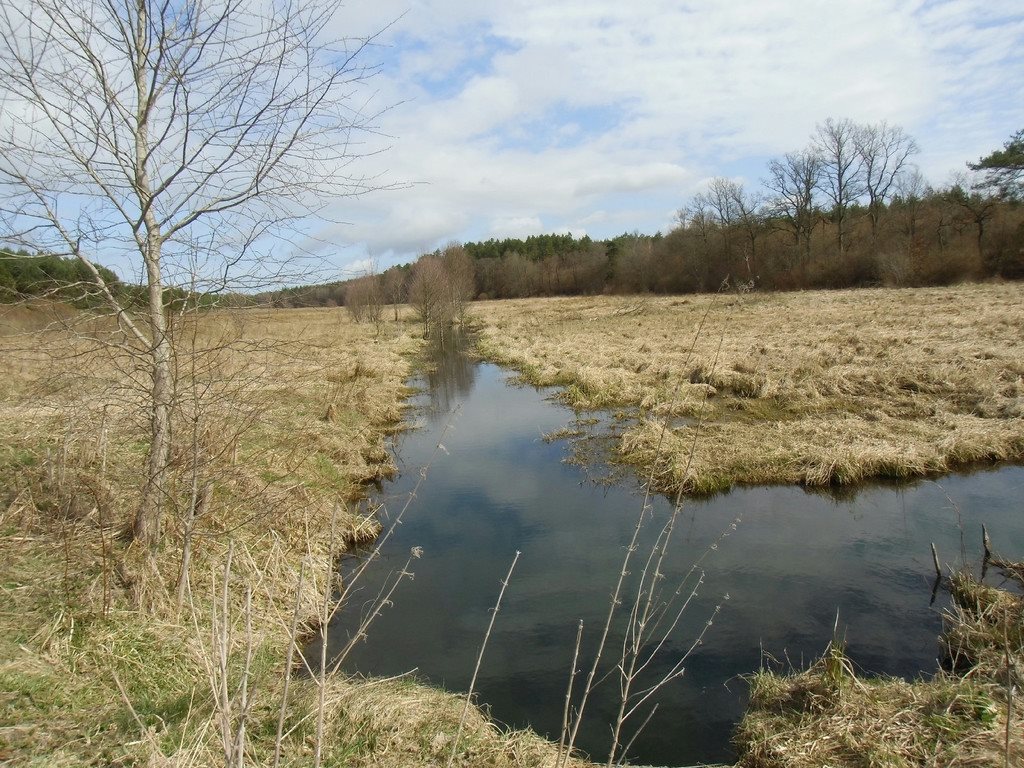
(795, 562)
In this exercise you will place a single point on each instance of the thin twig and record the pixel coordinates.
(479, 659)
(568, 692)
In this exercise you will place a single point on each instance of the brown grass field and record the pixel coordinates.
(819, 388)
(98, 667)
(284, 414)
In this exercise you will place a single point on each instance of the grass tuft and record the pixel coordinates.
(826, 715)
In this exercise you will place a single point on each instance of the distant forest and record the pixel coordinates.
(25, 275)
(848, 210)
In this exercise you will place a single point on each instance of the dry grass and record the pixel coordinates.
(827, 716)
(292, 421)
(816, 388)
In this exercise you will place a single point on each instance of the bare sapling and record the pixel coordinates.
(188, 139)
(213, 412)
(653, 616)
(232, 703)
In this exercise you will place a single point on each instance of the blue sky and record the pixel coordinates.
(527, 116)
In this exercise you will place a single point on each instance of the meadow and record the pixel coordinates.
(819, 388)
(283, 416)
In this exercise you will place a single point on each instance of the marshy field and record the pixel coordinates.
(282, 432)
(818, 388)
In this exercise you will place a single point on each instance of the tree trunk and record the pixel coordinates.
(147, 520)
(150, 242)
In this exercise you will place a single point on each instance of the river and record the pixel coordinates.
(798, 565)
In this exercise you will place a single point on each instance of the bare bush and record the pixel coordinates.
(441, 288)
(364, 299)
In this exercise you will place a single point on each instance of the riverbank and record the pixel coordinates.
(284, 416)
(968, 713)
(818, 388)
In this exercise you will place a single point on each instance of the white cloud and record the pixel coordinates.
(515, 226)
(528, 115)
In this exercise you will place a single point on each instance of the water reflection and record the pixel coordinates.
(450, 374)
(795, 560)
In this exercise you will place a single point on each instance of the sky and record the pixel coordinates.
(597, 117)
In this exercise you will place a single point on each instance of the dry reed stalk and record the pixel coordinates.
(222, 647)
(324, 618)
(288, 666)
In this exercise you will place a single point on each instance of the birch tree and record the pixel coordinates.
(182, 139)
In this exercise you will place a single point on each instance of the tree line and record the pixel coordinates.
(849, 209)
(24, 274)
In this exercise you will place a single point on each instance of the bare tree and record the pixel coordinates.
(721, 199)
(364, 298)
(442, 284)
(460, 274)
(749, 215)
(842, 178)
(697, 216)
(179, 138)
(394, 287)
(911, 190)
(427, 291)
(884, 151)
(794, 179)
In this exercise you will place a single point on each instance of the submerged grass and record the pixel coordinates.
(291, 426)
(818, 388)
